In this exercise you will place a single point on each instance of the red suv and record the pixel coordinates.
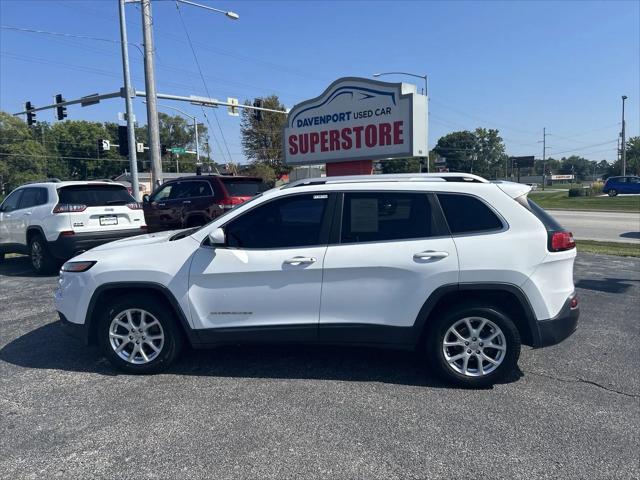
(192, 201)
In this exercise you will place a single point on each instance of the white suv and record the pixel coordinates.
(449, 263)
(53, 221)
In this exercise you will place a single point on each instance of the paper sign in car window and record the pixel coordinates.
(364, 215)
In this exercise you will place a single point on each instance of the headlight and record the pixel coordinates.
(77, 266)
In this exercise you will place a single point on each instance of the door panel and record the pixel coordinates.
(9, 217)
(269, 274)
(394, 252)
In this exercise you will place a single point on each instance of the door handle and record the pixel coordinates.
(300, 261)
(161, 204)
(429, 254)
(186, 201)
(26, 213)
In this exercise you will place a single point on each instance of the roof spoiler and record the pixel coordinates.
(514, 190)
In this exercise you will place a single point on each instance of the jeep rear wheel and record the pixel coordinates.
(474, 346)
(138, 335)
(41, 259)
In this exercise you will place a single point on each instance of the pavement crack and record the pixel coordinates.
(582, 380)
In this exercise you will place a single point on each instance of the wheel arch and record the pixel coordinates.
(108, 291)
(507, 297)
(34, 230)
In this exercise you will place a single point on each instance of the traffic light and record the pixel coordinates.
(257, 114)
(31, 116)
(61, 111)
(123, 140)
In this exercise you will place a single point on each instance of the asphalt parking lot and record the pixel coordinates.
(311, 412)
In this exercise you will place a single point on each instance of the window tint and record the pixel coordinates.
(163, 194)
(634, 179)
(95, 195)
(466, 214)
(239, 187)
(380, 216)
(191, 189)
(11, 202)
(288, 222)
(547, 220)
(33, 197)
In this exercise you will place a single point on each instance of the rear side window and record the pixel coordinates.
(191, 189)
(468, 214)
(32, 197)
(95, 195)
(243, 187)
(383, 216)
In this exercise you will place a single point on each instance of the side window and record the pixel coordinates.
(294, 221)
(194, 189)
(163, 193)
(32, 197)
(634, 179)
(382, 216)
(11, 202)
(467, 214)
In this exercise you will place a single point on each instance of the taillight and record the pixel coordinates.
(69, 208)
(574, 303)
(230, 202)
(134, 206)
(560, 241)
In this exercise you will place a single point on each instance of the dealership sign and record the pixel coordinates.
(562, 177)
(357, 119)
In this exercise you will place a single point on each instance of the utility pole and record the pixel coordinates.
(624, 147)
(152, 107)
(129, 93)
(544, 156)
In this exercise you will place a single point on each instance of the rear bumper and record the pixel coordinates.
(76, 330)
(558, 328)
(65, 247)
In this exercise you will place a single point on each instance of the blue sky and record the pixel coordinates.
(516, 66)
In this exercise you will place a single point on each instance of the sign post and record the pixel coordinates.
(354, 122)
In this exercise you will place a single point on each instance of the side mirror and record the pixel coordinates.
(145, 198)
(217, 238)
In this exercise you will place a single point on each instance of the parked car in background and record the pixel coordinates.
(195, 200)
(53, 221)
(615, 185)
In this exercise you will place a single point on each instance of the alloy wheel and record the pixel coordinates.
(474, 346)
(37, 255)
(136, 336)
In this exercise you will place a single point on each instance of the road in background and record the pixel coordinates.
(598, 225)
(320, 412)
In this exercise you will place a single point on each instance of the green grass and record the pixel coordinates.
(561, 200)
(609, 248)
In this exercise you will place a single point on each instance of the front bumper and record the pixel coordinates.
(67, 246)
(76, 330)
(560, 327)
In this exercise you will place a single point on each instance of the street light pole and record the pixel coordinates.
(129, 93)
(150, 84)
(426, 93)
(624, 149)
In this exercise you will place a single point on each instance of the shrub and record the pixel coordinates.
(596, 188)
(578, 192)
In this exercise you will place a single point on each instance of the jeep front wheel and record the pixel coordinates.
(474, 346)
(138, 335)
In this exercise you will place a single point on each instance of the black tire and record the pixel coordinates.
(42, 262)
(170, 347)
(435, 348)
(613, 192)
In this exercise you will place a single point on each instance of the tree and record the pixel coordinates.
(490, 156)
(262, 139)
(265, 172)
(633, 156)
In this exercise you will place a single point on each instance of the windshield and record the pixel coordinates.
(97, 195)
(226, 213)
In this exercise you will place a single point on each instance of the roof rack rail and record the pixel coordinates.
(400, 177)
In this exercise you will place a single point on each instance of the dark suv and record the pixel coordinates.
(192, 201)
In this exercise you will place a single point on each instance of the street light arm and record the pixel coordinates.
(176, 109)
(231, 15)
(424, 77)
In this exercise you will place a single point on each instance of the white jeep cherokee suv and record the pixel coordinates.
(465, 269)
(53, 221)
